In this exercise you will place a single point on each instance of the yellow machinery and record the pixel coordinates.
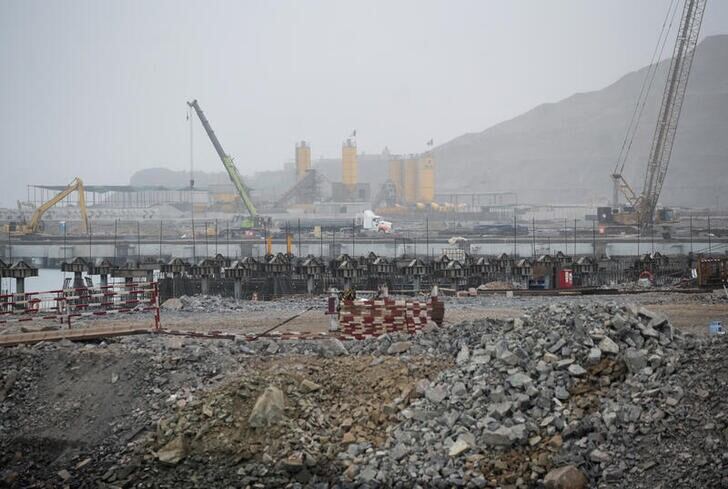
(35, 221)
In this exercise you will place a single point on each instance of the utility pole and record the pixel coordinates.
(710, 238)
(216, 236)
(116, 221)
(207, 242)
(515, 235)
(10, 246)
(639, 235)
(533, 229)
(265, 240)
(691, 232)
(160, 239)
(427, 236)
(575, 238)
(139, 243)
(353, 238)
(300, 253)
(594, 238)
(194, 245)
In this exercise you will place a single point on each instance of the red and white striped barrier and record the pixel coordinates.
(375, 317)
(64, 305)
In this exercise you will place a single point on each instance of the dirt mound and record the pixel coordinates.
(330, 404)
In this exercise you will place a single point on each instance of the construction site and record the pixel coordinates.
(382, 319)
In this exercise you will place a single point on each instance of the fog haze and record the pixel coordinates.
(98, 89)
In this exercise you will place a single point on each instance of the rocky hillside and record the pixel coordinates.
(565, 151)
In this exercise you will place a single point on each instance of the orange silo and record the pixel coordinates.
(303, 159)
(410, 180)
(426, 179)
(350, 170)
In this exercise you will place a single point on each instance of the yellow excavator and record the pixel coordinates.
(34, 226)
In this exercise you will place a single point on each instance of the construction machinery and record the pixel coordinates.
(35, 224)
(640, 211)
(254, 220)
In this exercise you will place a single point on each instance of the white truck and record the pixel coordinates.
(369, 221)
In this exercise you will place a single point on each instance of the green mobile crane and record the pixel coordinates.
(255, 220)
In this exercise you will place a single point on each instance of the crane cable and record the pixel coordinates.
(646, 87)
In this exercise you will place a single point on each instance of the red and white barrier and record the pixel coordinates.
(65, 305)
(375, 317)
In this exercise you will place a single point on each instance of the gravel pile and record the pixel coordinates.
(216, 304)
(501, 301)
(569, 385)
(572, 394)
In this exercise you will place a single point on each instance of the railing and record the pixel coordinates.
(67, 305)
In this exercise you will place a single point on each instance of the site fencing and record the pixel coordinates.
(67, 305)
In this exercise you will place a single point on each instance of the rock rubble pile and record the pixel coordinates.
(566, 385)
(570, 395)
(217, 304)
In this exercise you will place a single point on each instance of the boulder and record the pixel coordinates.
(332, 348)
(519, 379)
(503, 436)
(268, 408)
(458, 447)
(173, 452)
(635, 360)
(607, 345)
(399, 347)
(310, 386)
(567, 477)
(594, 356)
(576, 370)
(463, 355)
(436, 394)
(172, 304)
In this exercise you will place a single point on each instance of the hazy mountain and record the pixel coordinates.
(565, 151)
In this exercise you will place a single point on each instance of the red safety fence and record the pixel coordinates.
(66, 305)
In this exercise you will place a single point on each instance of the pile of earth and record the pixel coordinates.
(570, 395)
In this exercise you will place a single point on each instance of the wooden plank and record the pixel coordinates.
(72, 334)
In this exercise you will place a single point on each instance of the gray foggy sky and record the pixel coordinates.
(97, 89)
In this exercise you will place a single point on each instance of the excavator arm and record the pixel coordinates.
(227, 161)
(75, 186)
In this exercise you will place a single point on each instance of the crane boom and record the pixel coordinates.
(670, 108)
(227, 162)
